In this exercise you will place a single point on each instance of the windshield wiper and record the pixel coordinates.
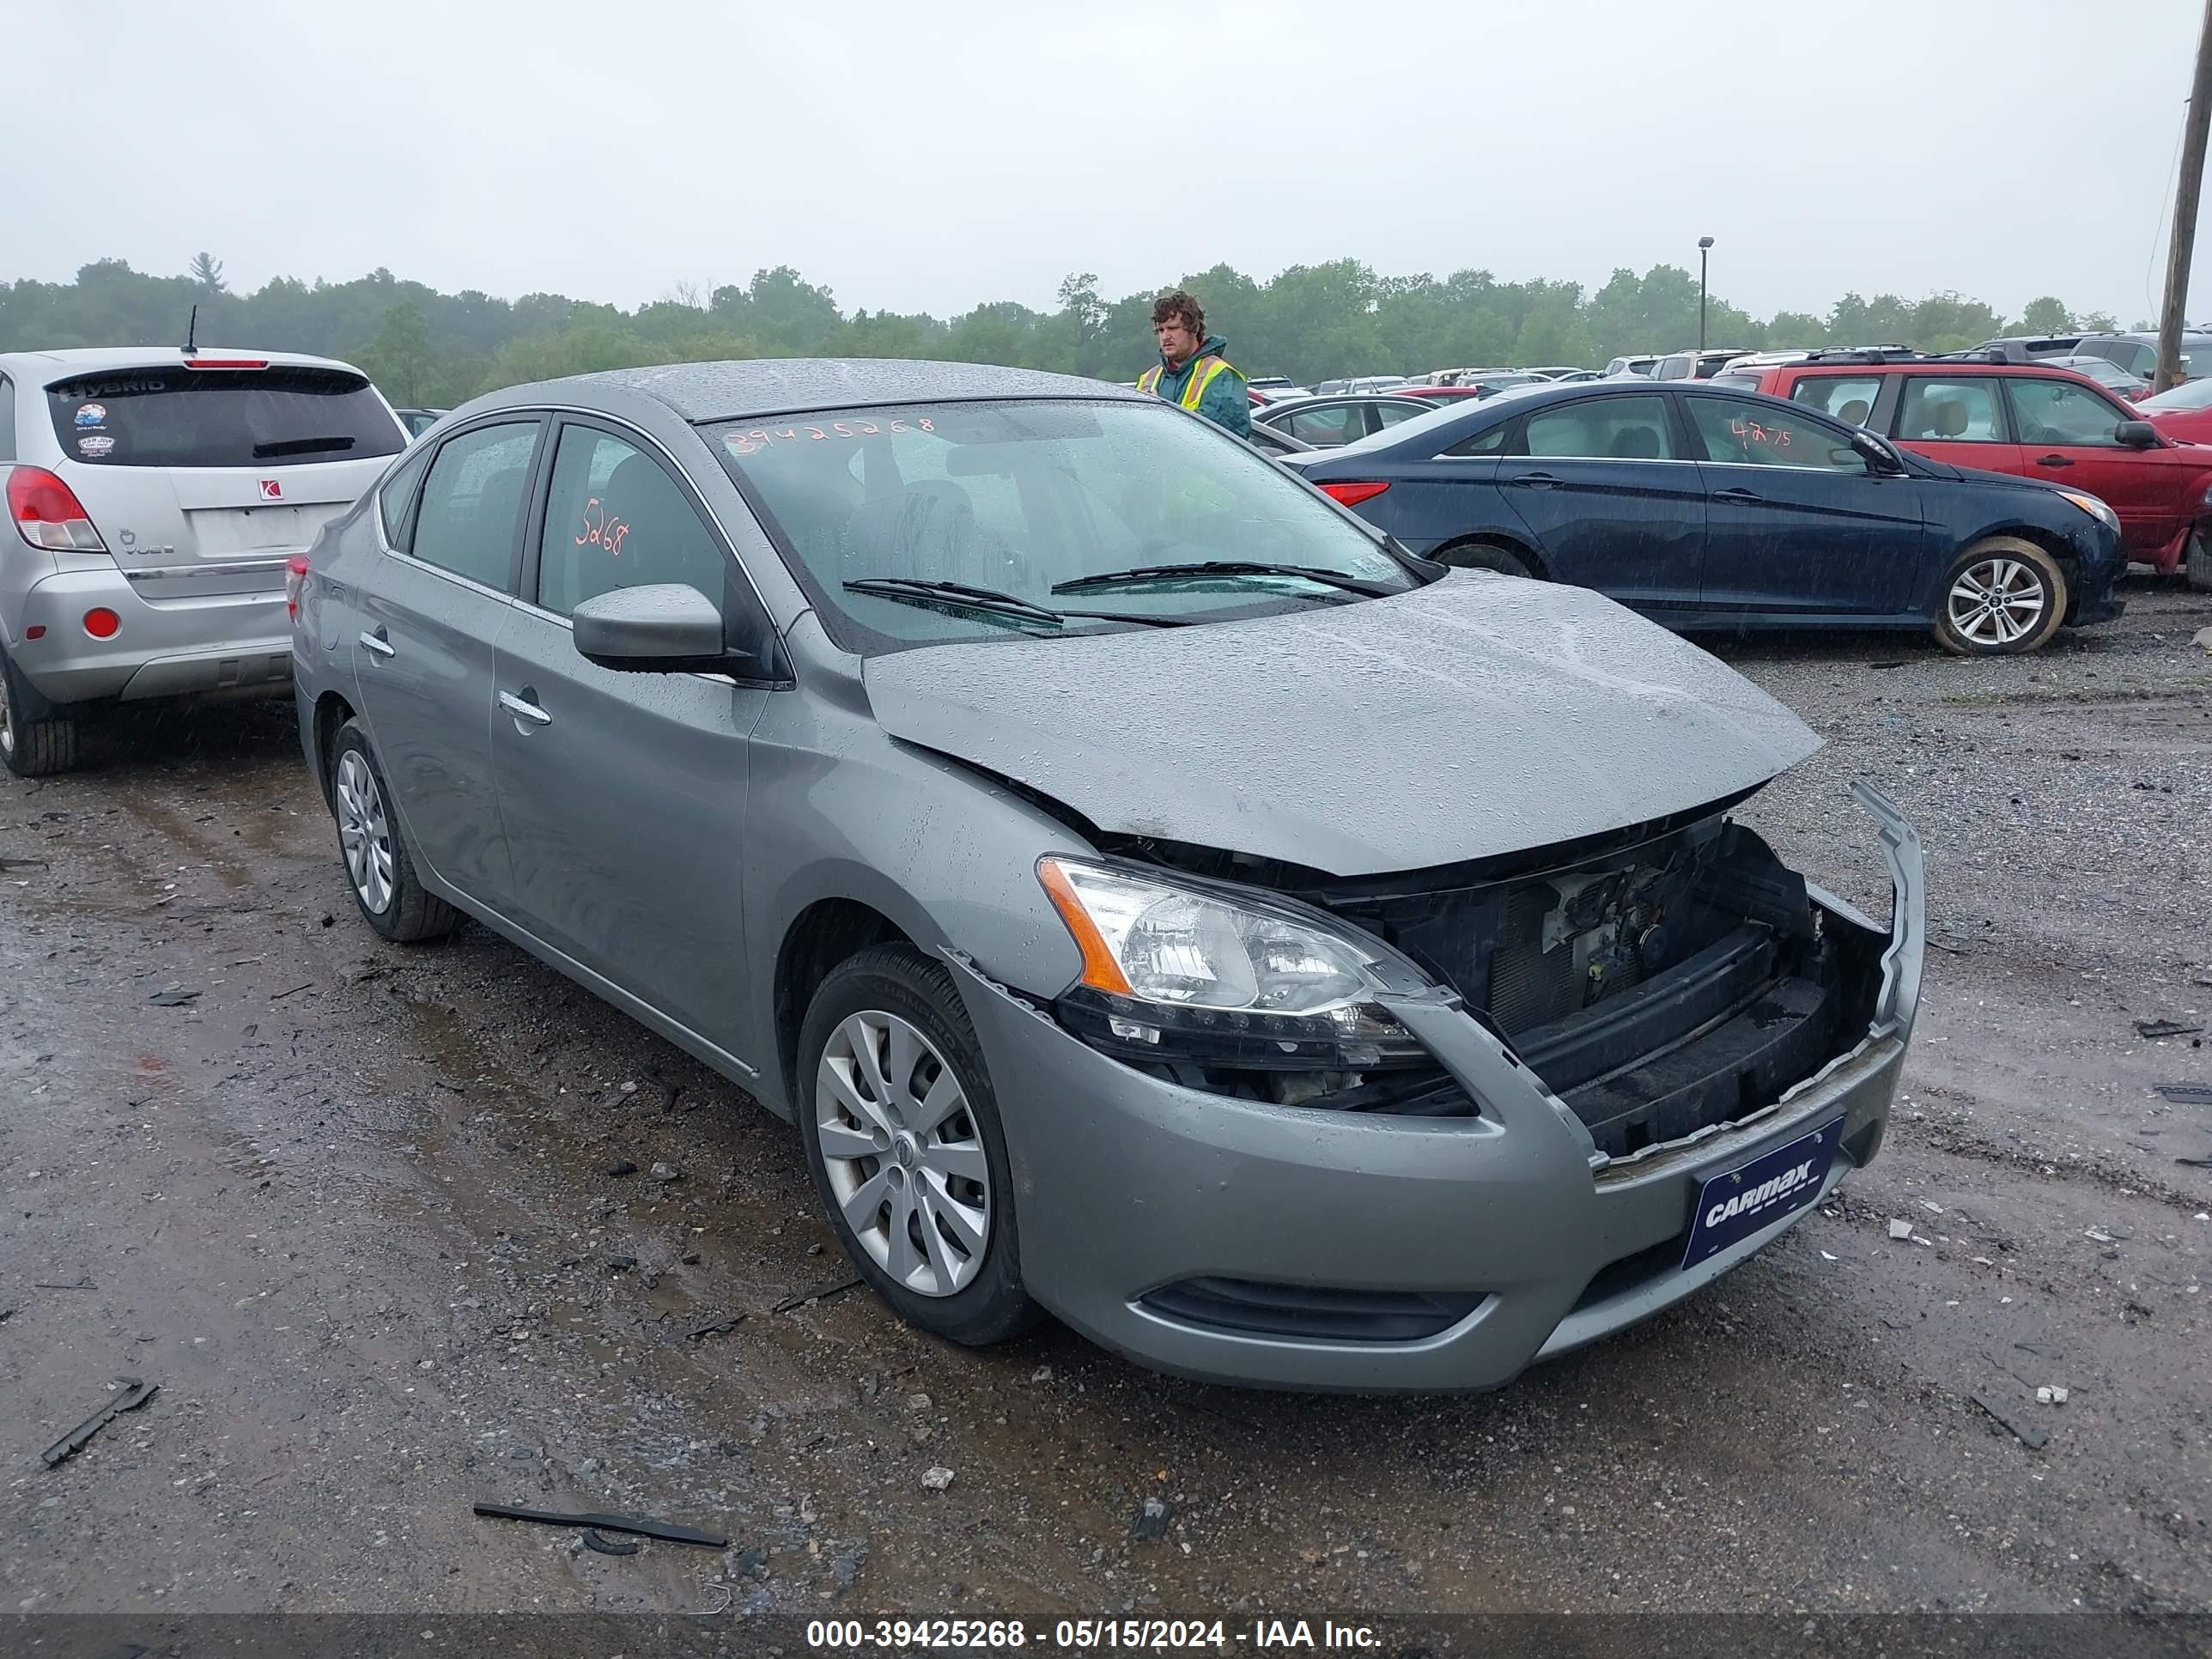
(300, 446)
(1149, 573)
(915, 590)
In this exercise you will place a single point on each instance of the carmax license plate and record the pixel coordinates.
(1733, 1206)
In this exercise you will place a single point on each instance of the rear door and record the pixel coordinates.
(431, 609)
(1609, 499)
(2069, 434)
(204, 477)
(1795, 522)
(1961, 420)
(624, 793)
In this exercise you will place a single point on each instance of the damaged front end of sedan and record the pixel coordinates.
(1664, 982)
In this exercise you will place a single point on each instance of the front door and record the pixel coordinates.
(429, 610)
(2069, 436)
(1609, 500)
(1795, 522)
(624, 795)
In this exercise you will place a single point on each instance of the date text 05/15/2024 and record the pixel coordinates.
(1080, 1635)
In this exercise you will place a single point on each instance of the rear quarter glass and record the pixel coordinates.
(173, 417)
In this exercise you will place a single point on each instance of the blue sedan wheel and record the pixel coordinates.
(2003, 596)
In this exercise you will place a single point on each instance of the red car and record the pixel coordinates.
(2183, 412)
(2026, 419)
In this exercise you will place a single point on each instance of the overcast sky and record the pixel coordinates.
(930, 156)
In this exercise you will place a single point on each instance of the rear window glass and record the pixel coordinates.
(203, 417)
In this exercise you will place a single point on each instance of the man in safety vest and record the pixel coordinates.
(1192, 370)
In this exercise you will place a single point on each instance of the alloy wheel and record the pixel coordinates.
(903, 1153)
(364, 832)
(1998, 602)
(6, 718)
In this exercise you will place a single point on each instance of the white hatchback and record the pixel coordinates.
(156, 497)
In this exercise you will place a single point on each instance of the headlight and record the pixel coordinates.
(2096, 509)
(1169, 969)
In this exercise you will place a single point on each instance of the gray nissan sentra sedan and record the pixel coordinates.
(1156, 899)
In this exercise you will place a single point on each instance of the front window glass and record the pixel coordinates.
(1016, 497)
(171, 416)
(2054, 412)
(1849, 398)
(1949, 411)
(1762, 434)
(1603, 429)
(615, 518)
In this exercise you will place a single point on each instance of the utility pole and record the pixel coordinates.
(1706, 246)
(2184, 213)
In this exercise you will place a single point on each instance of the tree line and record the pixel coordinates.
(1309, 322)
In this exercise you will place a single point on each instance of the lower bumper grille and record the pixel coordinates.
(1309, 1312)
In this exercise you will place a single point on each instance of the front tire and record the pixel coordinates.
(2196, 564)
(378, 867)
(906, 1149)
(2001, 597)
(37, 740)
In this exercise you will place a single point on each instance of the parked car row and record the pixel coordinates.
(2029, 420)
(1710, 507)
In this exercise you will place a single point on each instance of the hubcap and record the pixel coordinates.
(363, 832)
(1997, 601)
(903, 1153)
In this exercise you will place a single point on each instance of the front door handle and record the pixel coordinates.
(379, 642)
(525, 708)
(2052, 460)
(1535, 480)
(1738, 493)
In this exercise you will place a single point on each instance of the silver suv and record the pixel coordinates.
(155, 496)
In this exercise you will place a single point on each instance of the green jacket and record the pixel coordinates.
(1223, 399)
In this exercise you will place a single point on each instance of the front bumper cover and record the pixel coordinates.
(1125, 1183)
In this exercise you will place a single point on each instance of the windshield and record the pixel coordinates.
(2190, 394)
(173, 415)
(1016, 498)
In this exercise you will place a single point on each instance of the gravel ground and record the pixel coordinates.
(349, 1204)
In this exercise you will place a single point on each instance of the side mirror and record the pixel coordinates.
(1878, 455)
(2136, 434)
(664, 629)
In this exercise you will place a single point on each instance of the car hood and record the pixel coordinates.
(1478, 715)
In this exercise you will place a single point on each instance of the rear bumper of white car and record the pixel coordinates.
(173, 647)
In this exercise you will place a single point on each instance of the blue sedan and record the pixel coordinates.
(1707, 508)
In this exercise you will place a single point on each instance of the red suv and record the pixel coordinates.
(2024, 419)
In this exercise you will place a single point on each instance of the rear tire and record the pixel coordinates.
(2196, 564)
(1486, 555)
(906, 1149)
(2001, 597)
(36, 739)
(378, 867)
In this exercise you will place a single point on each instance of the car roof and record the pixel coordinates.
(1944, 366)
(46, 367)
(1409, 395)
(702, 393)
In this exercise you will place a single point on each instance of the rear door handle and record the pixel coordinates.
(2052, 460)
(525, 708)
(379, 642)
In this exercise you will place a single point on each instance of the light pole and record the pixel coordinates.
(1704, 247)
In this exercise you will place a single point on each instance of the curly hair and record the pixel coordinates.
(1181, 304)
